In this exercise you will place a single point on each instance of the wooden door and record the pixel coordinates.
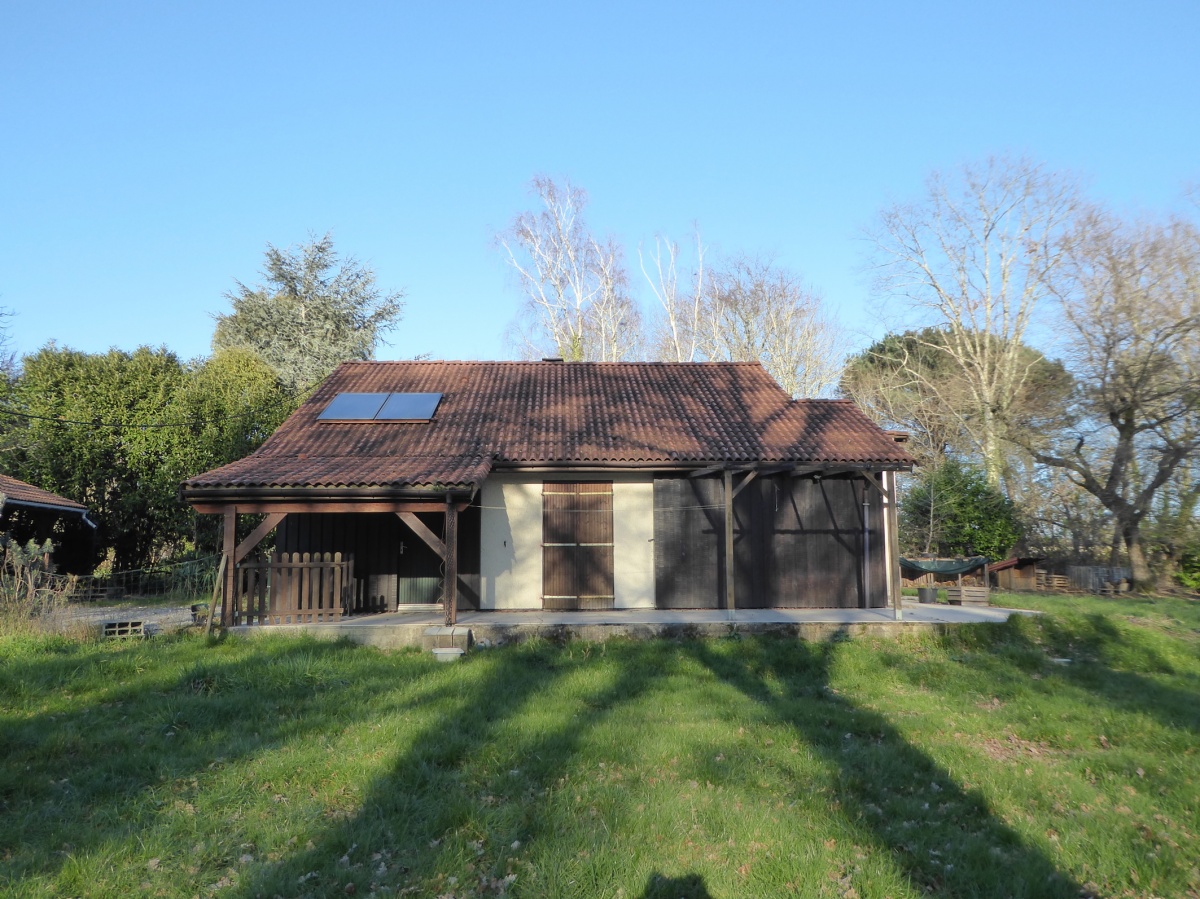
(577, 545)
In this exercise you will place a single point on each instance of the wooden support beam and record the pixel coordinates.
(892, 542)
(432, 540)
(228, 547)
(878, 480)
(256, 537)
(866, 550)
(768, 470)
(729, 565)
(268, 507)
(701, 472)
(218, 586)
(450, 589)
(750, 476)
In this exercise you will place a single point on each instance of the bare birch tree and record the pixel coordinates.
(577, 301)
(754, 310)
(1131, 301)
(974, 258)
(676, 331)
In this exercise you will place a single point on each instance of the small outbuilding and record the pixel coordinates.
(566, 486)
(31, 513)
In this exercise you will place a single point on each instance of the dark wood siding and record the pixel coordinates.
(689, 529)
(392, 565)
(798, 543)
(577, 545)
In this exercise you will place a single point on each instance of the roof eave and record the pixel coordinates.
(236, 494)
(72, 508)
(714, 465)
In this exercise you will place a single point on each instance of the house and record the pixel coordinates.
(31, 513)
(552, 485)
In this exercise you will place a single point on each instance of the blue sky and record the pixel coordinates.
(149, 151)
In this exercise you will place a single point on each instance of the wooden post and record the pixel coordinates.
(229, 548)
(866, 548)
(729, 566)
(218, 588)
(450, 587)
(892, 543)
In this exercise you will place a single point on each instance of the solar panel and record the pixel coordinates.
(381, 407)
(353, 407)
(409, 407)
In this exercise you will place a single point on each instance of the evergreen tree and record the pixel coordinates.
(314, 311)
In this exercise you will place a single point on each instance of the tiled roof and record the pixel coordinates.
(509, 414)
(20, 493)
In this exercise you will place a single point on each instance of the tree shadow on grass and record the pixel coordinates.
(1119, 667)
(127, 735)
(450, 802)
(940, 834)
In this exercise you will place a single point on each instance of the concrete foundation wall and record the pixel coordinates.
(511, 541)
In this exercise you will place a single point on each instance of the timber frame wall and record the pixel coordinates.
(275, 511)
(797, 539)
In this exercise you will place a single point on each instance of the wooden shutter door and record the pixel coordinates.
(577, 545)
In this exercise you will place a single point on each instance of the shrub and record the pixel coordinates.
(954, 511)
(1189, 569)
(31, 598)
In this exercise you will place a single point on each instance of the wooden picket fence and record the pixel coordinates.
(293, 588)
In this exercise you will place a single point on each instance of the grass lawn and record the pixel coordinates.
(968, 765)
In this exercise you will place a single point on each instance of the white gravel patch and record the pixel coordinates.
(156, 619)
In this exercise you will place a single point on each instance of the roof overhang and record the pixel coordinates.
(700, 469)
(60, 509)
(248, 500)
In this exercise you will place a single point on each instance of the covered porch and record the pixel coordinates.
(335, 558)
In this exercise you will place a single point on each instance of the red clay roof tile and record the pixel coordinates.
(19, 492)
(509, 414)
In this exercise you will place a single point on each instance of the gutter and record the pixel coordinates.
(74, 510)
(716, 465)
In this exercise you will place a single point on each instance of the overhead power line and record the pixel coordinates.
(121, 426)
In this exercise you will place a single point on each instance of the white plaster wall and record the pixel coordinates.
(511, 543)
(511, 539)
(633, 543)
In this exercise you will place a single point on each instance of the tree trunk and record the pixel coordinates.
(1140, 580)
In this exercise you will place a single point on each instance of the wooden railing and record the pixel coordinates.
(293, 588)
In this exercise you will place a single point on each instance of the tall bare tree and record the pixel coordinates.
(755, 310)
(1131, 303)
(676, 331)
(974, 258)
(577, 301)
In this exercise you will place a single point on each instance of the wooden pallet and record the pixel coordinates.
(967, 596)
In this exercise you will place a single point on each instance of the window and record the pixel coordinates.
(577, 545)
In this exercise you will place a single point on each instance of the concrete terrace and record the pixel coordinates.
(409, 628)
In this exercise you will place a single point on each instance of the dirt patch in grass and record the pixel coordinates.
(1010, 747)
